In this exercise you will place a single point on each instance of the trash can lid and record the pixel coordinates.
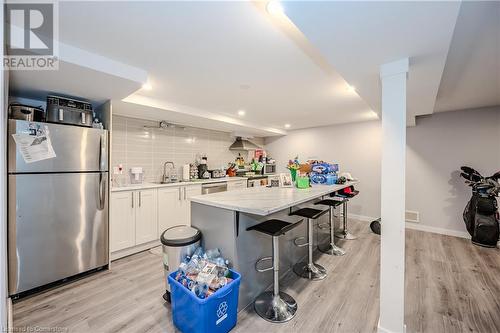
(180, 235)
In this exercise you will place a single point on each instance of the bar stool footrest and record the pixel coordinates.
(261, 260)
(324, 226)
(297, 240)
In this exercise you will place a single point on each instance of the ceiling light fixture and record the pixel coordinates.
(351, 89)
(288, 125)
(147, 86)
(275, 8)
(241, 113)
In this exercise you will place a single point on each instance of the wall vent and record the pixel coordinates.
(412, 216)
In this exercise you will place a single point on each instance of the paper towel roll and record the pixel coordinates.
(185, 172)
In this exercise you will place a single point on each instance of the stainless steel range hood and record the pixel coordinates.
(243, 144)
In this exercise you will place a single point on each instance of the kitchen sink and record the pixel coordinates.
(170, 182)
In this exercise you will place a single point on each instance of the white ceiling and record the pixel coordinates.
(80, 74)
(218, 57)
(357, 37)
(471, 77)
(206, 60)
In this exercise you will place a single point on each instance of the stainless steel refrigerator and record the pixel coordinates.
(57, 207)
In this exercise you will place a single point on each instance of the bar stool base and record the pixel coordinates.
(331, 249)
(311, 272)
(345, 235)
(275, 309)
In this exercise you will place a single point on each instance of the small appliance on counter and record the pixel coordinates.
(136, 175)
(26, 112)
(63, 110)
(269, 169)
(203, 172)
(217, 173)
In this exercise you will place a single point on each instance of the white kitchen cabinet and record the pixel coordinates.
(146, 221)
(174, 207)
(170, 211)
(189, 191)
(122, 220)
(236, 184)
(139, 217)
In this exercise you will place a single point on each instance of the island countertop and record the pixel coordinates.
(266, 200)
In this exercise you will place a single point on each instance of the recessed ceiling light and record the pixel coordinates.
(351, 88)
(288, 125)
(241, 112)
(275, 8)
(147, 86)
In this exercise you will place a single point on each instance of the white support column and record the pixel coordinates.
(392, 247)
(4, 300)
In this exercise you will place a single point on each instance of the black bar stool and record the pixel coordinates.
(331, 248)
(309, 269)
(345, 234)
(274, 306)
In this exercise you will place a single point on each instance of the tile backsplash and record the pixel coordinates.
(136, 146)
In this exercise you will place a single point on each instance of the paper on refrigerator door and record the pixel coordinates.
(35, 146)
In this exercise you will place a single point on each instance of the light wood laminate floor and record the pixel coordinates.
(451, 286)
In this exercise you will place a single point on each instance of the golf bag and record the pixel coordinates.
(481, 212)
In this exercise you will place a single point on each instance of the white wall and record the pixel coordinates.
(436, 148)
(355, 147)
(135, 146)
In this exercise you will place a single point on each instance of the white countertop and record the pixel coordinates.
(143, 186)
(266, 200)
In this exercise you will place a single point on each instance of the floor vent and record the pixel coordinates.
(412, 216)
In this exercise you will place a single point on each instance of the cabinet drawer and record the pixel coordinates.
(235, 185)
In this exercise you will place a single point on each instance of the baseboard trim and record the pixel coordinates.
(441, 231)
(362, 218)
(133, 250)
(416, 226)
(380, 329)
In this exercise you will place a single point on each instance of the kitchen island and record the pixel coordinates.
(224, 217)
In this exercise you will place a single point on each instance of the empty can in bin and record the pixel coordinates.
(177, 243)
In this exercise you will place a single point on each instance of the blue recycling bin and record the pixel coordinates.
(217, 313)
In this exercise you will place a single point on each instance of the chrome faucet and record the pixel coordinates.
(168, 178)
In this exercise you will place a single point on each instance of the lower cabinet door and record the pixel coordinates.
(189, 191)
(170, 211)
(146, 218)
(236, 185)
(122, 220)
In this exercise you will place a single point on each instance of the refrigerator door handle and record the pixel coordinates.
(102, 190)
(102, 151)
